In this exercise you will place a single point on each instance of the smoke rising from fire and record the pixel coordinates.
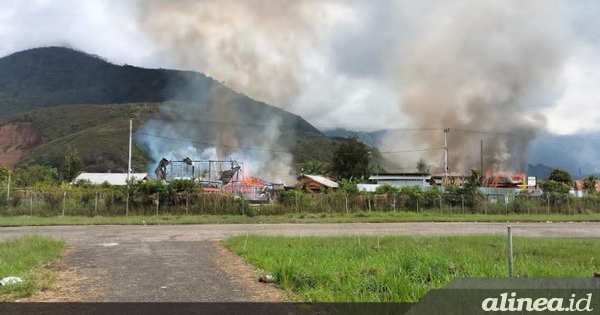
(481, 69)
(255, 47)
(212, 124)
(484, 69)
(258, 47)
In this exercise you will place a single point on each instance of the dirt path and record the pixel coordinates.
(188, 263)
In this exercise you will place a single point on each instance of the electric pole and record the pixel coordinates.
(481, 157)
(129, 165)
(446, 131)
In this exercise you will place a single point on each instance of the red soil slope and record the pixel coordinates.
(17, 139)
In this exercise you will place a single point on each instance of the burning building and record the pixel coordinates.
(217, 176)
(504, 180)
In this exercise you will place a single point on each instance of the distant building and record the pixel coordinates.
(402, 179)
(316, 182)
(115, 179)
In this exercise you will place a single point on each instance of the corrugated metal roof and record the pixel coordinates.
(322, 180)
(117, 179)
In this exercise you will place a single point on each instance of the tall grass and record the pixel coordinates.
(360, 217)
(403, 269)
(150, 198)
(21, 257)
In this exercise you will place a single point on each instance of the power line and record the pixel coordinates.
(267, 150)
(411, 151)
(225, 123)
(209, 143)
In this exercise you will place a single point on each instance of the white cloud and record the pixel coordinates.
(578, 109)
(105, 28)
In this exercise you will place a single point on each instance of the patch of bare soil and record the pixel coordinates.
(62, 283)
(17, 139)
(246, 275)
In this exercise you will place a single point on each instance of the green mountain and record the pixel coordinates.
(65, 100)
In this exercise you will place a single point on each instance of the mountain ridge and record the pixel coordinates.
(69, 95)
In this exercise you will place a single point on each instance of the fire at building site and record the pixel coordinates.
(226, 176)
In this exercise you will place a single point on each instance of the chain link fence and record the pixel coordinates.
(113, 202)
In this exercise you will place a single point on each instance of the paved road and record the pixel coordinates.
(156, 233)
(181, 263)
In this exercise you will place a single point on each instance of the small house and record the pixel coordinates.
(316, 182)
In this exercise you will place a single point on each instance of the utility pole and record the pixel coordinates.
(129, 165)
(481, 157)
(446, 131)
(8, 187)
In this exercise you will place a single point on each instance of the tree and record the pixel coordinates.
(589, 184)
(552, 186)
(351, 159)
(4, 176)
(558, 182)
(312, 168)
(35, 175)
(387, 189)
(561, 176)
(422, 166)
(71, 166)
(475, 180)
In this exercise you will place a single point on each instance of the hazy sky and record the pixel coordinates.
(337, 63)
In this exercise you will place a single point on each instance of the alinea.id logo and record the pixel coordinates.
(504, 303)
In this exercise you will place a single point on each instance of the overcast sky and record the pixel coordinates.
(337, 63)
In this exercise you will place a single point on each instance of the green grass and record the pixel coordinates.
(403, 269)
(24, 257)
(361, 217)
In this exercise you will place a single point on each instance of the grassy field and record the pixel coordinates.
(364, 217)
(403, 269)
(25, 257)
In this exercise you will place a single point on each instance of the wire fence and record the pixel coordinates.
(109, 202)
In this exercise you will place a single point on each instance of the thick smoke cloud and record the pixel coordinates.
(256, 46)
(484, 69)
(480, 69)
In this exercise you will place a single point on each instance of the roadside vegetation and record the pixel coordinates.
(402, 268)
(185, 198)
(27, 257)
(359, 217)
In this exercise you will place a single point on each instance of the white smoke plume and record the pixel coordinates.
(484, 69)
(481, 69)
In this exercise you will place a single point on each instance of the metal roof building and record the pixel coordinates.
(403, 179)
(115, 179)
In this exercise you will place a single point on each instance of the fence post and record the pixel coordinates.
(96, 204)
(485, 204)
(157, 202)
(64, 202)
(417, 204)
(510, 252)
(346, 198)
(296, 195)
(394, 204)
